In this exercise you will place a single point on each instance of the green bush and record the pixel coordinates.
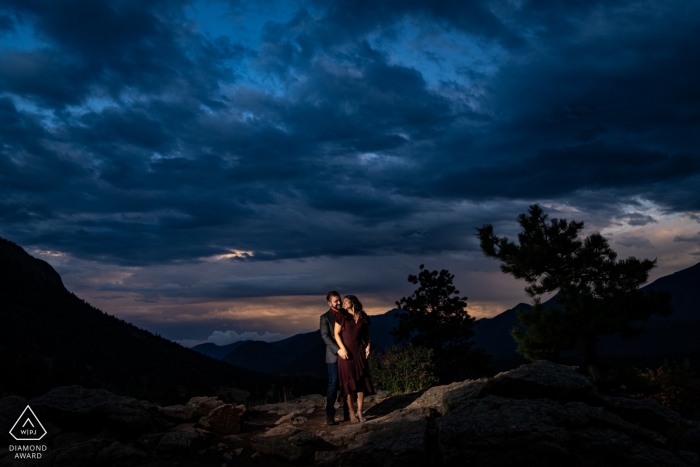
(673, 385)
(399, 370)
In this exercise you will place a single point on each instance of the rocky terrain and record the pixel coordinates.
(538, 414)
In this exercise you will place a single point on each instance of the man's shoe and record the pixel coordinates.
(331, 421)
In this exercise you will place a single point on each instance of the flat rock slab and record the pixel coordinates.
(495, 431)
(543, 379)
(395, 439)
(446, 398)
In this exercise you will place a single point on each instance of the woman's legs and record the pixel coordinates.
(360, 403)
(351, 407)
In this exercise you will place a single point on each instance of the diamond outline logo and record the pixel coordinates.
(28, 419)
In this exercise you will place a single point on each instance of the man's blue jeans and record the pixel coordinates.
(332, 389)
(332, 392)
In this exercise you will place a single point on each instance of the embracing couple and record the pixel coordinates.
(345, 331)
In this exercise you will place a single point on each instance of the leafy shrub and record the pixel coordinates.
(399, 370)
(673, 385)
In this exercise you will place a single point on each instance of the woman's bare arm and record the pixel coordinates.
(342, 353)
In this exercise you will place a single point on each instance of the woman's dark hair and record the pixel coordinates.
(356, 305)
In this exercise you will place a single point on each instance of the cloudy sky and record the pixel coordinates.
(208, 170)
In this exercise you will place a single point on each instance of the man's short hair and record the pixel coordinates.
(330, 294)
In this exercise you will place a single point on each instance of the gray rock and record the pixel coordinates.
(295, 418)
(289, 442)
(543, 379)
(149, 440)
(302, 404)
(174, 412)
(120, 455)
(580, 415)
(395, 439)
(606, 447)
(198, 407)
(224, 420)
(75, 406)
(446, 398)
(178, 443)
(494, 431)
(644, 412)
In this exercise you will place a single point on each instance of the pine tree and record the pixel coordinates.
(599, 295)
(436, 318)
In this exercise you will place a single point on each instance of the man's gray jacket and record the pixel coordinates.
(327, 328)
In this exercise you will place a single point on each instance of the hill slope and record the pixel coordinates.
(49, 337)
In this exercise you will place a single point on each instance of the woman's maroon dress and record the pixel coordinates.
(353, 373)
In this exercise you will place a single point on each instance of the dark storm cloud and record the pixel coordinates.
(638, 219)
(111, 47)
(128, 136)
(556, 172)
(633, 241)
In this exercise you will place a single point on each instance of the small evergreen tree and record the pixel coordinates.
(435, 318)
(598, 294)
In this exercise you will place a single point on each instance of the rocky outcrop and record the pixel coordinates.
(540, 414)
(78, 407)
(446, 398)
(223, 420)
(399, 438)
(543, 379)
(289, 442)
(200, 406)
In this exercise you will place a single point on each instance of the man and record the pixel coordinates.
(332, 353)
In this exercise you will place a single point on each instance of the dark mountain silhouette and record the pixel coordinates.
(217, 351)
(675, 335)
(50, 337)
(300, 354)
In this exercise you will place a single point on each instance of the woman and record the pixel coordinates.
(352, 336)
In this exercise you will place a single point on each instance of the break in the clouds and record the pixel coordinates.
(157, 138)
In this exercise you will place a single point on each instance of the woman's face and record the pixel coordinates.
(347, 304)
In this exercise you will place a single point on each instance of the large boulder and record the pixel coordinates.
(495, 431)
(81, 408)
(295, 418)
(223, 420)
(184, 439)
(198, 407)
(399, 438)
(543, 379)
(446, 398)
(289, 442)
(174, 412)
(120, 455)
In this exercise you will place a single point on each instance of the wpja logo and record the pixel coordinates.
(28, 428)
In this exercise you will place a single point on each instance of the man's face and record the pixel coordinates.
(334, 303)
